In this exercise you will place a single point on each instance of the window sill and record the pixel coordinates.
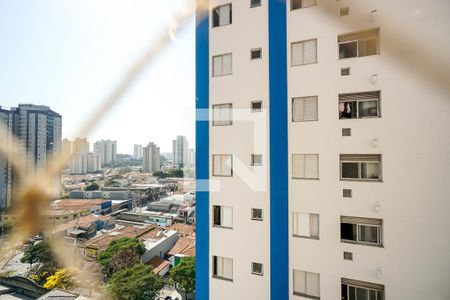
(255, 219)
(302, 121)
(222, 227)
(302, 178)
(362, 243)
(313, 63)
(344, 58)
(222, 278)
(361, 180)
(305, 295)
(213, 175)
(219, 125)
(306, 237)
(258, 274)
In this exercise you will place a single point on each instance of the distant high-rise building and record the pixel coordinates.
(191, 161)
(38, 131)
(79, 158)
(94, 162)
(137, 153)
(107, 149)
(151, 161)
(66, 147)
(180, 150)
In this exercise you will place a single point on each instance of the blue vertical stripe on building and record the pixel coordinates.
(279, 238)
(202, 153)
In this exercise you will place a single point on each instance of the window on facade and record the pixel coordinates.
(346, 193)
(361, 167)
(345, 71)
(256, 159)
(222, 15)
(255, 3)
(256, 106)
(361, 230)
(358, 44)
(348, 255)
(223, 267)
(361, 290)
(222, 114)
(222, 165)
(257, 268)
(223, 216)
(297, 4)
(257, 214)
(304, 52)
(307, 284)
(305, 225)
(305, 166)
(344, 11)
(346, 131)
(256, 53)
(359, 105)
(305, 109)
(222, 65)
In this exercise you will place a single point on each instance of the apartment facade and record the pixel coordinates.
(151, 160)
(180, 150)
(337, 109)
(37, 130)
(107, 149)
(137, 151)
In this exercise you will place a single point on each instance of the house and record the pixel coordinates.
(160, 266)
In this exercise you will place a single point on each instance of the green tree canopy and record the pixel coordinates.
(183, 274)
(40, 252)
(135, 283)
(92, 187)
(124, 243)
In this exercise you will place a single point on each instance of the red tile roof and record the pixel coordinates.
(158, 264)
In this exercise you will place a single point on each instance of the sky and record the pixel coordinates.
(70, 55)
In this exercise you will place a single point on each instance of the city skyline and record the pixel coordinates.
(55, 51)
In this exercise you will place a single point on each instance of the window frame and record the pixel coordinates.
(302, 42)
(302, 7)
(217, 106)
(221, 56)
(230, 21)
(360, 163)
(357, 41)
(221, 207)
(305, 294)
(253, 216)
(358, 241)
(316, 98)
(304, 171)
(253, 163)
(256, 49)
(255, 5)
(257, 273)
(212, 165)
(361, 286)
(256, 109)
(310, 236)
(358, 101)
(215, 259)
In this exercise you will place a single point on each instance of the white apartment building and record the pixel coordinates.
(137, 151)
(151, 160)
(38, 132)
(79, 158)
(323, 149)
(180, 150)
(107, 149)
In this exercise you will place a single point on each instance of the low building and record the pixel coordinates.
(150, 217)
(84, 227)
(96, 206)
(159, 266)
(53, 217)
(160, 246)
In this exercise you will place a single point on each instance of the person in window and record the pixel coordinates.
(345, 110)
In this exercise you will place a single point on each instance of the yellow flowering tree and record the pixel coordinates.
(62, 279)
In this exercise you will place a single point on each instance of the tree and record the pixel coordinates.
(124, 243)
(135, 283)
(124, 258)
(92, 187)
(63, 279)
(40, 252)
(183, 274)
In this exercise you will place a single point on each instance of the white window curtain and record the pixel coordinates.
(300, 281)
(298, 166)
(226, 163)
(304, 109)
(217, 65)
(304, 52)
(227, 64)
(227, 216)
(227, 268)
(224, 15)
(305, 166)
(296, 54)
(314, 225)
